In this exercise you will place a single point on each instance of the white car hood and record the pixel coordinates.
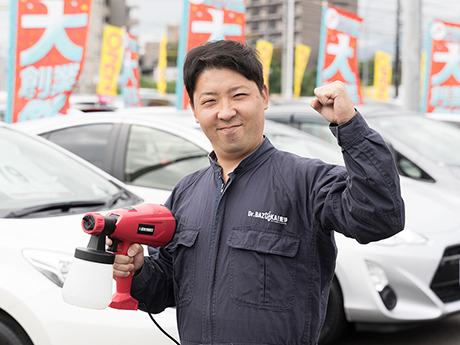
(430, 209)
(60, 234)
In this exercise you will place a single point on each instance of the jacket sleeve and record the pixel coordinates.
(365, 203)
(153, 285)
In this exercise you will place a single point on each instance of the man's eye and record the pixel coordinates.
(240, 95)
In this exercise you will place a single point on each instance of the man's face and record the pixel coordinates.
(230, 110)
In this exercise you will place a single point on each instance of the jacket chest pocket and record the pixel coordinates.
(263, 269)
(184, 256)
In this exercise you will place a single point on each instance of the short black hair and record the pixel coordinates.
(221, 54)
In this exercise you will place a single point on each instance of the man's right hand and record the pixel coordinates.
(126, 263)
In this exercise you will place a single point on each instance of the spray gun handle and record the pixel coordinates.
(122, 298)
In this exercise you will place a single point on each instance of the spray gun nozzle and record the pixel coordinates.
(89, 222)
(95, 223)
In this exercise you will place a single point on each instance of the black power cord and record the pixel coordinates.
(156, 323)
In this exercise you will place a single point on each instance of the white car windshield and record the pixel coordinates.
(435, 140)
(302, 144)
(35, 177)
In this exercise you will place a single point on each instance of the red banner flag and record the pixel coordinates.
(441, 91)
(131, 76)
(203, 21)
(48, 47)
(337, 59)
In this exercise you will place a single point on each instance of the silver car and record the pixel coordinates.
(408, 278)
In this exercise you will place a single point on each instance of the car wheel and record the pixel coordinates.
(11, 333)
(335, 323)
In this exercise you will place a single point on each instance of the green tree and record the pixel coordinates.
(308, 81)
(368, 66)
(147, 82)
(171, 54)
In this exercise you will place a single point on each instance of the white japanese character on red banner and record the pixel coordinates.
(217, 28)
(54, 22)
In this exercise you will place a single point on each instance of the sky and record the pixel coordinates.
(4, 27)
(379, 24)
(154, 17)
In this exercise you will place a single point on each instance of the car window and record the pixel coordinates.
(86, 141)
(287, 139)
(319, 130)
(408, 168)
(434, 140)
(453, 123)
(314, 125)
(158, 159)
(33, 174)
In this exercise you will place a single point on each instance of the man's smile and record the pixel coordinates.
(229, 128)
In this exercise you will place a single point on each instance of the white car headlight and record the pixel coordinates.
(377, 274)
(381, 284)
(403, 237)
(53, 265)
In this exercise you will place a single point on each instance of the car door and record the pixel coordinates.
(139, 155)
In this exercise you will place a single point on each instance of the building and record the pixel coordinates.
(265, 20)
(88, 79)
(149, 60)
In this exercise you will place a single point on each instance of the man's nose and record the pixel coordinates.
(227, 110)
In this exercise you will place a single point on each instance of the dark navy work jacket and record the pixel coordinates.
(252, 259)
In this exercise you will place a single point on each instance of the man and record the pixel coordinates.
(254, 253)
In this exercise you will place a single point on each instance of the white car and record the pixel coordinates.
(451, 118)
(44, 193)
(424, 149)
(408, 278)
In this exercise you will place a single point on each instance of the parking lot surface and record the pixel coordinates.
(444, 332)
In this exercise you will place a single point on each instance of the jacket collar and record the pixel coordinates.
(259, 155)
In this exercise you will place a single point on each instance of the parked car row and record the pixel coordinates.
(44, 192)
(148, 148)
(408, 278)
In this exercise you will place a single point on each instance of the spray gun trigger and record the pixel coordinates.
(114, 247)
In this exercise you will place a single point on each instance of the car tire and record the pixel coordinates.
(11, 333)
(335, 323)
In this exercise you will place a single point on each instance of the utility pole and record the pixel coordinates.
(396, 71)
(411, 53)
(288, 51)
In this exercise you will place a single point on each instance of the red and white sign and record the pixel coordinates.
(48, 47)
(208, 20)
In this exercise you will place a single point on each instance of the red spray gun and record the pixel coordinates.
(149, 224)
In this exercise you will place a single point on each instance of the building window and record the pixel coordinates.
(273, 9)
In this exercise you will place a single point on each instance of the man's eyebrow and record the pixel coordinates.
(235, 88)
(207, 93)
(213, 93)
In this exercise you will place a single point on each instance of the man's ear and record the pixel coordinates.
(193, 111)
(265, 96)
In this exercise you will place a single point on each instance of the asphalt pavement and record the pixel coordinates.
(443, 332)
